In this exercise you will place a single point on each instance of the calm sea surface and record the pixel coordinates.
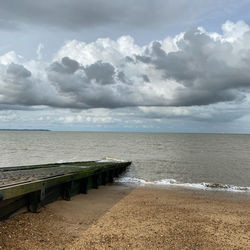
(160, 158)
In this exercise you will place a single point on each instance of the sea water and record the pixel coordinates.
(206, 161)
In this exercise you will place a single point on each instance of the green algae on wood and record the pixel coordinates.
(38, 185)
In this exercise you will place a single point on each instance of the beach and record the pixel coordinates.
(129, 217)
(125, 125)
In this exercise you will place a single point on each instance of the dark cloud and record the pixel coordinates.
(200, 68)
(201, 72)
(78, 14)
(101, 72)
(145, 78)
(8, 25)
(143, 59)
(18, 71)
(17, 107)
(121, 76)
(129, 59)
(70, 65)
(20, 90)
(89, 87)
(193, 97)
(66, 65)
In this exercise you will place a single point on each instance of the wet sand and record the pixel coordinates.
(125, 217)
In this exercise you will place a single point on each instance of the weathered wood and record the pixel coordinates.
(37, 185)
(52, 194)
(84, 186)
(66, 190)
(17, 189)
(95, 181)
(9, 207)
(111, 175)
(104, 178)
(34, 201)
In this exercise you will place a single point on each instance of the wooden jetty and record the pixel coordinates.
(37, 185)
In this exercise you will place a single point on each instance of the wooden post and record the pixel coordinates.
(104, 178)
(43, 191)
(66, 189)
(111, 175)
(33, 201)
(84, 186)
(95, 181)
(48, 187)
(116, 172)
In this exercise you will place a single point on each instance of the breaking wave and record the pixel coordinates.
(167, 182)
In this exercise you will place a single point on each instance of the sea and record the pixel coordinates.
(201, 161)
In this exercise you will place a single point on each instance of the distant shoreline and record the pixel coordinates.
(25, 130)
(126, 132)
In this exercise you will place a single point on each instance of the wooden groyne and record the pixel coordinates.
(34, 186)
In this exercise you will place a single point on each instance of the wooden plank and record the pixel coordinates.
(11, 206)
(66, 190)
(104, 178)
(84, 185)
(95, 181)
(24, 188)
(77, 179)
(17, 190)
(34, 201)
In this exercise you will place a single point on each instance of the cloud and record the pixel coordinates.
(39, 51)
(77, 14)
(18, 71)
(8, 25)
(193, 69)
(102, 73)
(10, 57)
(66, 65)
(212, 113)
(208, 70)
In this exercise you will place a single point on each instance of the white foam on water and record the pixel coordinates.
(168, 182)
(60, 161)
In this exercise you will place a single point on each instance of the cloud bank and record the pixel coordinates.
(78, 14)
(194, 68)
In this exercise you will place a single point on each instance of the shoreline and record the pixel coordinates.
(132, 217)
(171, 183)
(206, 193)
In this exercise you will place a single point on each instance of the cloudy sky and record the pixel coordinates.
(135, 65)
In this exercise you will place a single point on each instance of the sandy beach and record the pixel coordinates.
(125, 217)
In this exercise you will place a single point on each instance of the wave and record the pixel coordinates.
(167, 182)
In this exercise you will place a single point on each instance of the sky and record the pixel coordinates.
(135, 65)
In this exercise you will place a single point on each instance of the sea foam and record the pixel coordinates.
(173, 182)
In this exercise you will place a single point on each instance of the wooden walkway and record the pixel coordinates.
(37, 185)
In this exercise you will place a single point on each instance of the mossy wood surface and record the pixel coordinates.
(37, 185)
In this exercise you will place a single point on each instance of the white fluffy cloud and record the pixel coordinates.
(10, 57)
(182, 74)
